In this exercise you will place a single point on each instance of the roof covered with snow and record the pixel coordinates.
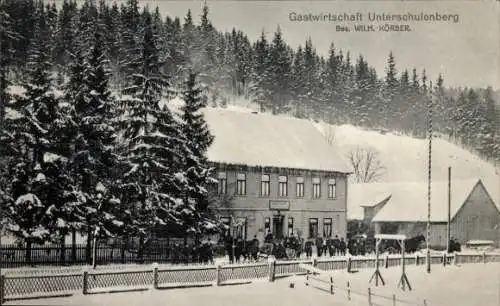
(408, 201)
(365, 195)
(270, 141)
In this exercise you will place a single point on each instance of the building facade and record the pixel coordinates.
(277, 174)
(282, 201)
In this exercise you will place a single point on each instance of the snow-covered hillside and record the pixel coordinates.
(405, 158)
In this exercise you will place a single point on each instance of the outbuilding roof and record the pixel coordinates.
(265, 140)
(365, 195)
(408, 201)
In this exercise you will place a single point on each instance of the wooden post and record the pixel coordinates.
(445, 257)
(348, 291)
(448, 226)
(425, 302)
(218, 275)
(369, 296)
(85, 282)
(307, 278)
(455, 258)
(386, 261)
(416, 260)
(272, 270)
(155, 275)
(2, 289)
(484, 257)
(315, 262)
(331, 285)
(349, 264)
(393, 300)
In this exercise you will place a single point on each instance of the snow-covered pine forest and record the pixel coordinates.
(78, 156)
(87, 147)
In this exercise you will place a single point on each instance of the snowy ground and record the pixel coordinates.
(465, 285)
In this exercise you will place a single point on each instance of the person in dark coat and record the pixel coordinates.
(329, 245)
(342, 246)
(336, 245)
(269, 237)
(308, 248)
(254, 248)
(228, 245)
(319, 246)
(238, 251)
(209, 251)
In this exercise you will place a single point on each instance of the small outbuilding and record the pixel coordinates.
(473, 213)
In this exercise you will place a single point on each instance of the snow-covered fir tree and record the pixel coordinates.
(199, 138)
(40, 187)
(93, 160)
(152, 159)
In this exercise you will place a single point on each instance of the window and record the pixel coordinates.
(283, 186)
(240, 228)
(316, 188)
(241, 184)
(222, 183)
(332, 188)
(267, 225)
(300, 187)
(265, 185)
(313, 227)
(327, 227)
(290, 226)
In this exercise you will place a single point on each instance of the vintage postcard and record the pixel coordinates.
(249, 152)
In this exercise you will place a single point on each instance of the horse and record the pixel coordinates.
(413, 244)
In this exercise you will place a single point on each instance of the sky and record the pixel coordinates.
(467, 52)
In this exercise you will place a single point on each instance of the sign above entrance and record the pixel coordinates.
(279, 205)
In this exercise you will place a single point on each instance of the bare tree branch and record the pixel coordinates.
(366, 164)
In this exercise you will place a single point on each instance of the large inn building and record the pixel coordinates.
(277, 174)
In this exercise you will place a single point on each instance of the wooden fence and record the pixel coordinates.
(13, 256)
(64, 281)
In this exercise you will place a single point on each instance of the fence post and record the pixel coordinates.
(386, 261)
(393, 300)
(349, 264)
(272, 270)
(445, 258)
(455, 258)
(155, 275)
(218, 275)
(315, 262)
(331, 285)
(425, 302)
(484, 257)
(85, 282)
(2, 289)
(348, 291)
(369, 296)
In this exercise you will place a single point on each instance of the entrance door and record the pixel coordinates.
(278, 226)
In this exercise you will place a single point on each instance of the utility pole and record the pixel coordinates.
(429, 177)
(448, 225)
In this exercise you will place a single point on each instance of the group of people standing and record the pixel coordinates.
(326, 246)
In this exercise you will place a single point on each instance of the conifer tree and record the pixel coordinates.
(195, 130)
(260, 74)
(150, 151)
(279, 71)
(40, 186)
(93, 159)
